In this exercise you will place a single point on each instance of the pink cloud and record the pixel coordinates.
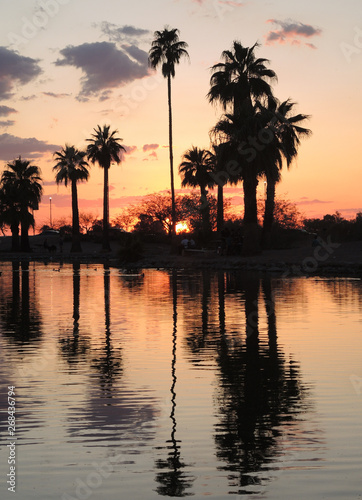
(150, 147)
(130, 149)
(291, 32)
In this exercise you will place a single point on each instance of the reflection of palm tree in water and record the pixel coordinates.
(15, 303)
(257, 392)
(76, 347)
(19, 312)
(198, 337)
(106, 363)
(172, 481)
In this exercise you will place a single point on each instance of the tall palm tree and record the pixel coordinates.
(240, 84)
(166, 51)
(286, 132)
(105, 148)
(23, 181)
(195, 170)
(72, 167)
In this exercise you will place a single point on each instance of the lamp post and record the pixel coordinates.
(50, 211)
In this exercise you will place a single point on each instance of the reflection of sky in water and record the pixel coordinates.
(162, 376)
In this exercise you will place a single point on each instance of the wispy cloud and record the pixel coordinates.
(56, 96)
(230, 3)
(305, 201)
(350, 212)
(130, 149)
(28, 97)
(6, 111)
(128, 152)
(150, 147)
(216, 8)
(125, 33)
(49, 183)
(292, 32)
(7, 123)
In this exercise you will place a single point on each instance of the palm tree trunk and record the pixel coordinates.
(24, 237)
(205, 213)
(173, 204)
(14, 237)
(251, 243)
(105, 243)
(76, 246)
(268, 214)
(220, 208)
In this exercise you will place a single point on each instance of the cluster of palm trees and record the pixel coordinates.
(21, 189)
(104, 148)
(20, 194)
(256, 135)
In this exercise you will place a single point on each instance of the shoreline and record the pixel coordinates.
(344, 259)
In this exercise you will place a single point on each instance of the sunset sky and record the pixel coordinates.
(68, 65)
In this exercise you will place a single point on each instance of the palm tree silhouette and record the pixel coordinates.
(104, 148)
(72, 167)
(10, 212)
(166, 51)
(226, 170)
(22, 182)
(241, 79)
(195, 170)
(234, 130)
(286, 133)
(240, 85)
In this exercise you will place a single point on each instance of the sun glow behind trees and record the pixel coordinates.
(182, 227)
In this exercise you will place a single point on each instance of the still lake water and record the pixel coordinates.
(176, 383)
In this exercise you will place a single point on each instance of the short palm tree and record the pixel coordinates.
(286, 132)
(226, 171)
(195, 170)
(10, 213)
(71, 167)
(105, 148)
(22, 182)
(166, 51)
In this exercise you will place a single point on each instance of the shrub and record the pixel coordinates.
(131, 249)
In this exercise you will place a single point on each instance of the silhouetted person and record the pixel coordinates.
(315, 242)
(185, 243)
